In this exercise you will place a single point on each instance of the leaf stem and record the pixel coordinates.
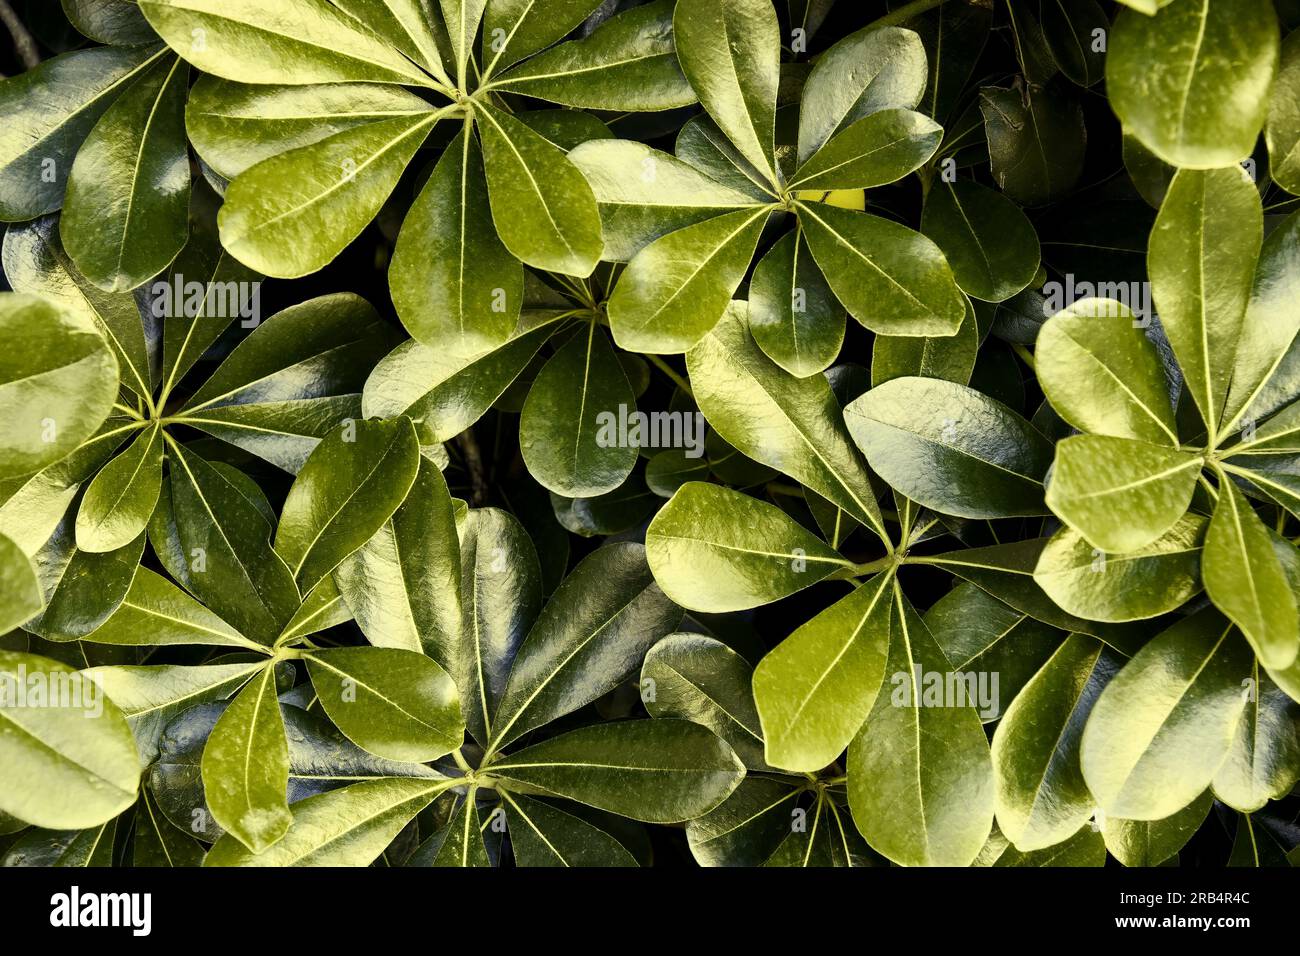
(905, 12)
(461, 762)
(672, 373)
(24, 44)
(1026, 356)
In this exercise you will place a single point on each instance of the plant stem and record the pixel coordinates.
(905, 12)
(461, 762)
(24, 44)
(668, 370)
(1026, 356)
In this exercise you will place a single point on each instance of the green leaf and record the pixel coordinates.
(1264, 761)
(126, 214)
(1269, 333)
(866, 72)
(698, 678)
(109, 21)
(591, 636)
(627, 63)
(891, 279)
(1103, 375)
(1154, 842)
(293, 213)
(677, 288)
(1160, 730)
(246, 767)
(516, 29)
(346, 827)
(64, 848)
(150, 696)
(793, 314)
(950, 357)
(118, 503)
(657, 771)
(543, 835)
(453, 282)
(225, 555)
(20, 585)
(713, 549)
(462, 18)
(787, 423)
(644, 194)
(1202, 260)
(730, 52)
(234, 126)
(35, 263)
(1282, 130)
(158, 842)
(157, 613)
(349, 487)
(1036, 141)
(81, 588)
(1121, 494)
(58, 380)
(815, 688)
(878, 149)
(568, 432)
(1085, 848)
(279, 41)
(1145, 583)
(1041, 795)
(72, 739)
(920, 776)
(1246, 580)
(989, 243)
(1069, 27)
(1192, 80)
(501, 585)
(543, 208)
(50, 111)
(951, 448)
(980, 634)
(747, 827)
(463, 845)
(403, 584)
(443, 391)
(394, 703)
(408, 25)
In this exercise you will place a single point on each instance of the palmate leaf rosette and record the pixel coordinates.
(1128, 486)
(688, 223)
(315, 110)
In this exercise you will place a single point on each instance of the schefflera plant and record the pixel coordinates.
(461, 657)
(314, 110)
(820, 692)
(688, 224)
(100, 134)
(83, 517)
(1195, 499)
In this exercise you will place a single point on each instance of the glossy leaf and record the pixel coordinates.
(713, 549)
(1169, 716)
(246, 767)
(349, 487)
(72, 737)
(1173, 88)
(815, 688)
(659, 771)
(951, 448)
(394, 703)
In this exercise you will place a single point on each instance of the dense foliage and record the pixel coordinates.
(555, 432)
